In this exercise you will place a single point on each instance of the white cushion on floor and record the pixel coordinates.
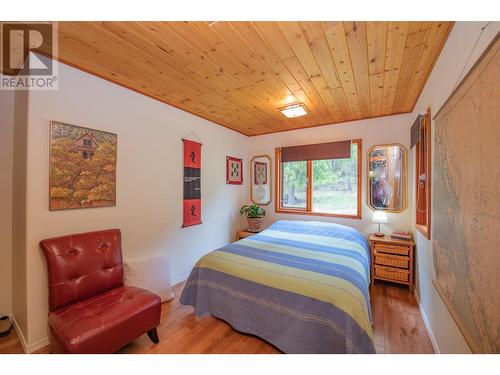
(152, 274)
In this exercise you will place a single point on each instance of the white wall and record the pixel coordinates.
(447, 70)
(149, 180)
(391, 129)
(19, 261)
(6, 157)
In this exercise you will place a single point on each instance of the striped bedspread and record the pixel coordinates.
(300, 285)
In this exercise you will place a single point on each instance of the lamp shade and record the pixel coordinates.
(379, 217)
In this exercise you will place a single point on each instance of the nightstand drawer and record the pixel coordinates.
(392, 260)
(392, 249)
(390, 273)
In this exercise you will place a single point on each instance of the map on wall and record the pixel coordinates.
(466, 210)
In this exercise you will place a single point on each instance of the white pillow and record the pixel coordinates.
(152, 274)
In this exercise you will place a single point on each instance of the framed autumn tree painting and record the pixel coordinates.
(82, 167)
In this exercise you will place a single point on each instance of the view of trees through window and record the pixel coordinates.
(294, 184)
(334, 185)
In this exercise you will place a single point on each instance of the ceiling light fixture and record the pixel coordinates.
(294, 110)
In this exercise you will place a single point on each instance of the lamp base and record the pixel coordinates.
(379, 234)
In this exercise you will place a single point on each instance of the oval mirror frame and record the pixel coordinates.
(403, 173)
(255, 190)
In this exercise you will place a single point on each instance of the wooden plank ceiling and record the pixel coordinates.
(238, 74)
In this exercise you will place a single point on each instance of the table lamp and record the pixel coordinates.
(379, 217)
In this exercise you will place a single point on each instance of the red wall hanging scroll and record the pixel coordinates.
(192, 183)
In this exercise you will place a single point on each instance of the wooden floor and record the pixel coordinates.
(398, 328)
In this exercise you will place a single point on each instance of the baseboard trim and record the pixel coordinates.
(42, 343)
(29, 348)
(426, 322)
(20, 334)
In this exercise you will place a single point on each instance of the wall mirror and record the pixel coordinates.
(260, 180)
(387, 169)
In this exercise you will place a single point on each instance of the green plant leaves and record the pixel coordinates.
(253, 211)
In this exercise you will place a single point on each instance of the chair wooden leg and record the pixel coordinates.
(153, 335)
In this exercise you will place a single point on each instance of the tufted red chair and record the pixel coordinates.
(91, 311)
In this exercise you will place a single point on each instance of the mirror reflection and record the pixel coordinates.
(387, 177)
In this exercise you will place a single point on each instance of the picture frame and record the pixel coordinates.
(82, 167)
(387, 166)
(234, 171)
(261, 179)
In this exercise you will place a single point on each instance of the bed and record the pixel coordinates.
(303, 286)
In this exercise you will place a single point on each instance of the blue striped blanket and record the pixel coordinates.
(300, 285)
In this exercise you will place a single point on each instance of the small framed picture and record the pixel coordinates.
(234, 171)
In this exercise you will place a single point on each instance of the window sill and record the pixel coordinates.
(303, 212)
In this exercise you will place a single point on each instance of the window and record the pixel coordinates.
(87, 142)
(326, 187)
(422, 175)
(294, 190)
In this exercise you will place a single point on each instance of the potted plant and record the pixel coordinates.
(255, 215)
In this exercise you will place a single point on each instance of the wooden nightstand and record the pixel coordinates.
(392, 260)
(244, 234)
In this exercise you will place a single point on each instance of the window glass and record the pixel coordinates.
(320, 187)
(294, 184)
(335, 185)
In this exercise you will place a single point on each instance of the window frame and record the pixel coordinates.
(422, 164)
(309, 170)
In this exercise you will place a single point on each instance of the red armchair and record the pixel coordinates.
(91, 311)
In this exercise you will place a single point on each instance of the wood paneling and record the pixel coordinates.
(238, 74)
(398, 328)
